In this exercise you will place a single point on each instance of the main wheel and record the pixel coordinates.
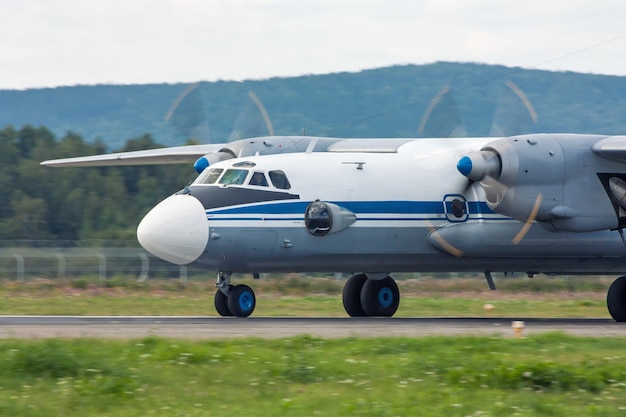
(241, 300)
(380, 297)
(221, 303)
(352, 295)
(616, 299)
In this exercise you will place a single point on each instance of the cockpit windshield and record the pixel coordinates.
(237, 176)
(234, 176)
(209, 176)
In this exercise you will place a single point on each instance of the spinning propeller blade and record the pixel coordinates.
(529, 222)
(187, 115)
(445, 245)
(442, 118)
(514, 114)
(253, 120)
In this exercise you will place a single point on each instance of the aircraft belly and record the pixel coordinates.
(402, 249)
(293, 248)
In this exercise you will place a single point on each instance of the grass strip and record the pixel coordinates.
(550, 374)
(307, 297)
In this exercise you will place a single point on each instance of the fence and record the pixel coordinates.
(22, 261)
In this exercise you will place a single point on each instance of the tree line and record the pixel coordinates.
(76, 203)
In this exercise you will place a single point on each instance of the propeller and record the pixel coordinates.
(485, 168)
(514, 114)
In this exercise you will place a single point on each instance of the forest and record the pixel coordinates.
(41, 203)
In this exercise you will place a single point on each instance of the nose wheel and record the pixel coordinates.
(233, 300)
(221, 303)
(365, 297)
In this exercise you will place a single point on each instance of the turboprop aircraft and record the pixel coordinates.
(537, 203)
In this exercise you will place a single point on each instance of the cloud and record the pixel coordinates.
(65, 42)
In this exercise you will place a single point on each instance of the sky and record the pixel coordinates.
(49, 43)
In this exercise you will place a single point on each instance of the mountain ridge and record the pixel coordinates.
(381, 102)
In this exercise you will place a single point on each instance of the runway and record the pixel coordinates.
(131, 327)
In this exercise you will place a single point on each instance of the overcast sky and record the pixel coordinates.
(67, 42)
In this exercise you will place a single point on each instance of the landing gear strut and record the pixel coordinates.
(365, 297)
(233, 300)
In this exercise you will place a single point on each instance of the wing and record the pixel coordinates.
(204, 155)
(173, 155)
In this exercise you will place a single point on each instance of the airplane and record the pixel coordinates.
(535, 203)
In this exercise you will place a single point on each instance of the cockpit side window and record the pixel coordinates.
(234, 176)
(279, 179)
(209, 176)
(258, 179)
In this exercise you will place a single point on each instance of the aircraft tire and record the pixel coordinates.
(380, 298)
(616, 299)
(241, 300)
(352, 295)
(221, 304)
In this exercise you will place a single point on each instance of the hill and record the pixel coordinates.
(387, 102)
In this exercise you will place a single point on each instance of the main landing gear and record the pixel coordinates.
(366, 297)
(233, 300)
(616, 299)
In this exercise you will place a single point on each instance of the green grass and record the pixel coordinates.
(553, 375)
(545, 375)
(297, 296)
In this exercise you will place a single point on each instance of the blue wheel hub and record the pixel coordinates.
(246, 301)
(385, 297)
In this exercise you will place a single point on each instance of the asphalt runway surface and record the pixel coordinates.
(132, 327)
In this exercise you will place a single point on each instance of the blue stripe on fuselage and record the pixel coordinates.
(357, 207)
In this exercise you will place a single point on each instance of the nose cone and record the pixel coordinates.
(176, 229)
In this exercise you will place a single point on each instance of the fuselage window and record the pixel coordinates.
(279, 179)
(209, 176)
(258, 179)
(234, 176)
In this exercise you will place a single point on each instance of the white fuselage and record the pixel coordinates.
(389, 207)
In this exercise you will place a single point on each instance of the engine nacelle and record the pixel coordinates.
(516, 173)
(321, 218)
(533, 176)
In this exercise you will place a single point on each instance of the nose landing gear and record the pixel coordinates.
(233, 300)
